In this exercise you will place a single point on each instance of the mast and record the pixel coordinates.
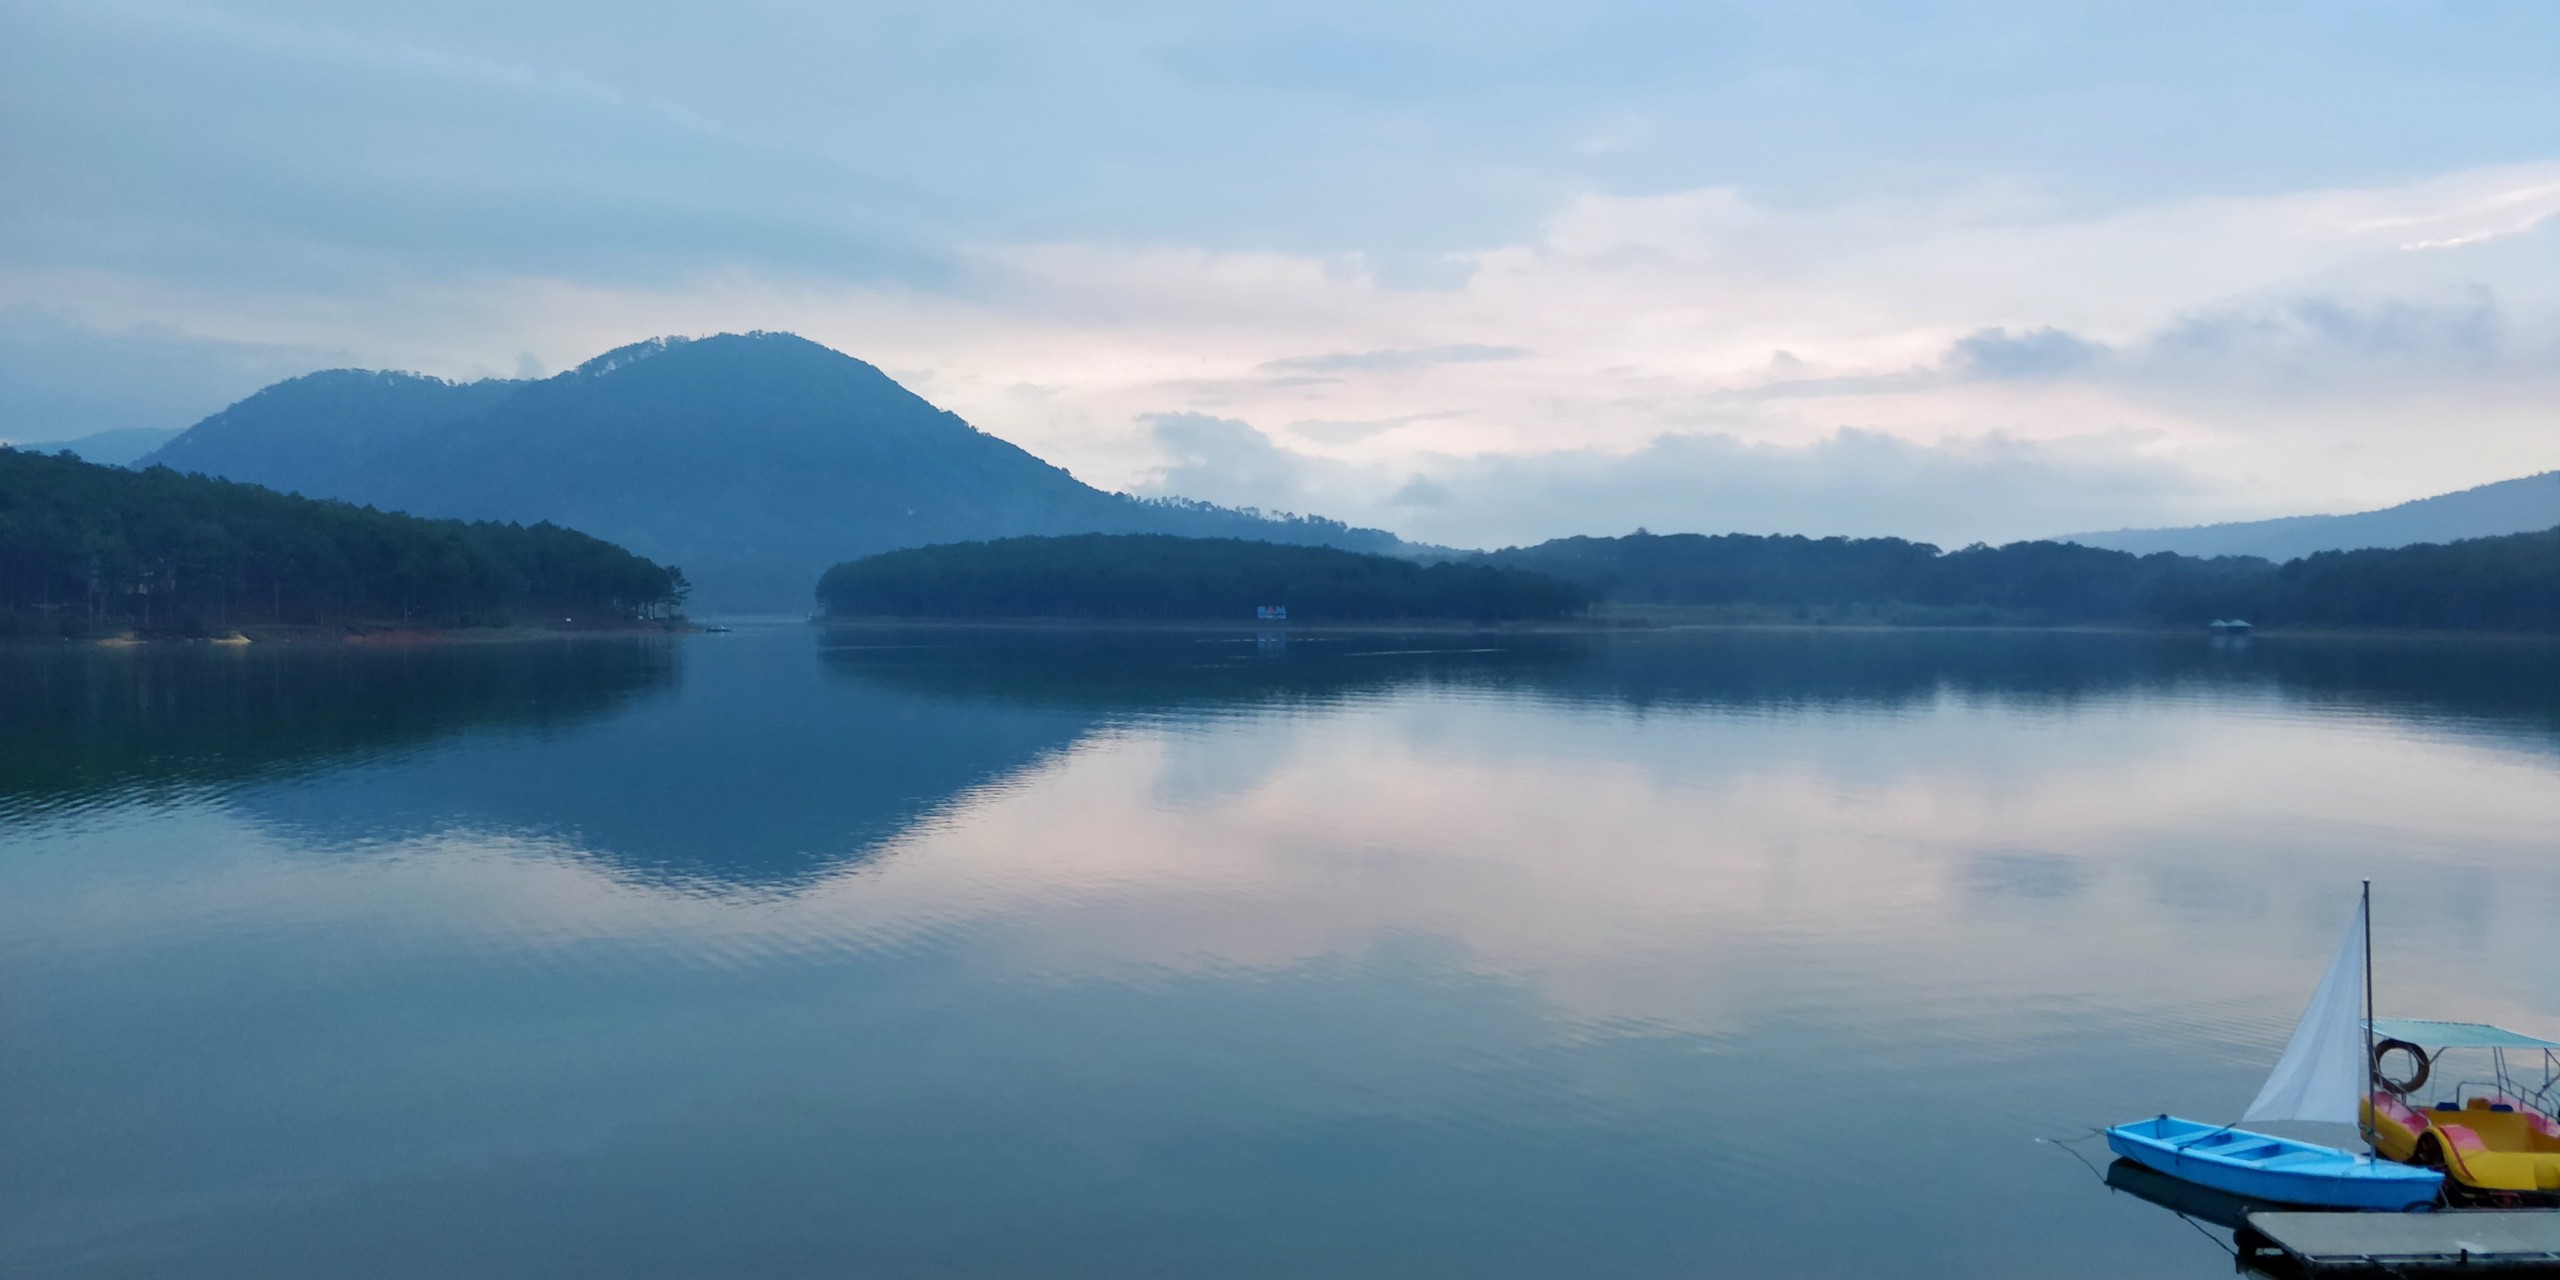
(2365, 1104)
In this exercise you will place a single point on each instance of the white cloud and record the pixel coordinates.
(1392, 361)
(1993, 487)
(2043, 368)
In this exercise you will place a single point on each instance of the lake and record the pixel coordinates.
(1063, 954)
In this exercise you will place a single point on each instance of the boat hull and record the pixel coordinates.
(2257, 1166)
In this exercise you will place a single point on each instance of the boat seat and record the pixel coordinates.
(2473, 1163)
(2299, 1157)
(2533, 1116)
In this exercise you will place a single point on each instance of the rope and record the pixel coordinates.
(2101, 1175)
(2218, 1241)
(2069, 1149)
(2074, 1152)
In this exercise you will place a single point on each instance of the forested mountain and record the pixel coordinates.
(1154, 576)
(2509, 506)
(322, 435)
(85, 547)
(2024, 581)
(753, 460)
(2509, 583)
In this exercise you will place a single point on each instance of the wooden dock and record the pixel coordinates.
(2448, 1242)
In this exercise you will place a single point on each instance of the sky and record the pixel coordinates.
(1479, 273)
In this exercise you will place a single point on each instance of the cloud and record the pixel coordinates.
(1393, 361)
(1987, 487)
(2042, 352)
(2461, 333)
(2286, 350)
(247, 152)
(60, 381)
(1224, 460)
(1990, 487)
(1327, 432)
(2328, 337)
(1419, 490)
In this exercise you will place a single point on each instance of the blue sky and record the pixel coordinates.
(1475, 272)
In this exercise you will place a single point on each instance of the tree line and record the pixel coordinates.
(2509, 583)
(85, 548)
(1163, 577)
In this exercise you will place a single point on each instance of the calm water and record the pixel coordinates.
(1058, 956)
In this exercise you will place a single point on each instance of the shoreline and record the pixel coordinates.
(1639, 627)
(355, 635)
(360, 636)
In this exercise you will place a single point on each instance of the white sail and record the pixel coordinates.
(2322, 1074)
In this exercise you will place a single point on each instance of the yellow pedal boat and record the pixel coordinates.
(2496, 1140)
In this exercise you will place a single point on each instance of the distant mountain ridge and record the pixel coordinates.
(753, 461)
(2510, 582)
(2527, 505)
(112, 448)
(316, 435)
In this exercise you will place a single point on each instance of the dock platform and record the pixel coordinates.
(2447, 1242)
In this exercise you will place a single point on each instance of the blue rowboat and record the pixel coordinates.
(2256, 1166)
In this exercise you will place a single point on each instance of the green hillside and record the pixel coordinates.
(86, 548)
(1157, 577)
(2509, 583)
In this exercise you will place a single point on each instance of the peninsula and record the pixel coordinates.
(87, 550)
(1159, 577)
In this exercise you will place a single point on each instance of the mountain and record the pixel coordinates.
(325, 435)
(753, 461)
(106, 448)
(2508, 506)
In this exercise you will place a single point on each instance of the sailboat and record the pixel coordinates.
(2322, 1076)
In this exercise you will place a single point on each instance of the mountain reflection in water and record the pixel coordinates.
(89, 725)
(724, 763)
(916, 952)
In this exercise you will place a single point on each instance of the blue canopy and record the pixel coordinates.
(2429, 1033)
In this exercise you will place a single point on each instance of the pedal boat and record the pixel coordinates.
(2496, 1140)
(2257, 1166)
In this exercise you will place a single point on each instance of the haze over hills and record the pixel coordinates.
(753, 461)
(116, 448)
(2526, 505)
(2506, 583)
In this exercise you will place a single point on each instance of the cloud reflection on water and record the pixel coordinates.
(1514, 945)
